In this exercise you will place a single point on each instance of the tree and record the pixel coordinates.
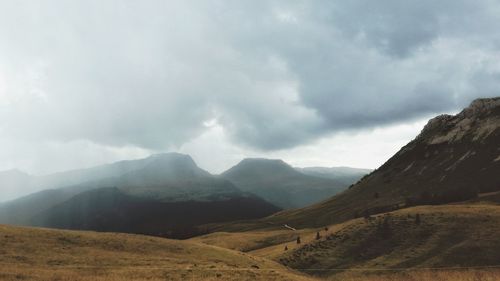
(298, 240)
(318, 236)
(366, 214)
(384, 227)
(417, 219)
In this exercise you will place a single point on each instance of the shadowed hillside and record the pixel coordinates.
(168, 196)
(111, 210)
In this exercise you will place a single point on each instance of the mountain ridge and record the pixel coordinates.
(279, 183)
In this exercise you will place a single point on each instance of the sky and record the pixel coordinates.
(316, 83)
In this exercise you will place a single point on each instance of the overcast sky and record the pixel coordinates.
(316, 83)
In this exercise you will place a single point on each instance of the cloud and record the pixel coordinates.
(273, 74)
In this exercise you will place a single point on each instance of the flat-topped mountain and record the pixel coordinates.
(281, 184)
(171, 177)
(16, 184)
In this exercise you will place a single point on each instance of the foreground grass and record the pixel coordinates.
(447, 236)
(444, 275)
(42, 254)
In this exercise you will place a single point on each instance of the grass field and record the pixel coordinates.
(447, 236)
(429, 275)
(42, 254)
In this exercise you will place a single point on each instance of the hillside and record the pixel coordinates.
(443, 237)
(280, 184)
(42, 254)
(111, 210)
(454, 158)
(168, 196)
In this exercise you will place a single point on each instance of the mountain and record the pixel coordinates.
(165, 192)
(453, 159)
(345, 175)
(170, 177)
(280, 184)
(16, 184)
(112, 210)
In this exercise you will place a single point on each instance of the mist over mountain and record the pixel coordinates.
(281, 184)
(171, 182)
(346, 175)
(16, 183)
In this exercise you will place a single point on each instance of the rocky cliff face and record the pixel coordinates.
(475, 124)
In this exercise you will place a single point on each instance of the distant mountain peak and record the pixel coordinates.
(280, 183)
(261, 167)
(173, 156)
(264, 162)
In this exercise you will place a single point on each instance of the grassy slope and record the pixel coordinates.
(448, 236)
(451, 235)
(42, 254)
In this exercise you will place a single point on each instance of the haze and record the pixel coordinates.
(311, 82)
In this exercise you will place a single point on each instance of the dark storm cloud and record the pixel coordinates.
(274, 74)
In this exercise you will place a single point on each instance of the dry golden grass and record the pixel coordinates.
(431, 275)
(252, 240)
(449, 235)
(42, 254)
